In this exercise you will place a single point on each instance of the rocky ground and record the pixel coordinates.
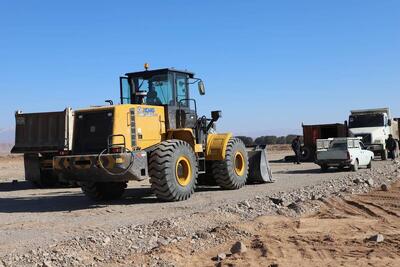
(306, 217)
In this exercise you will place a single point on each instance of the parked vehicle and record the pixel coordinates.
(374, 127)
(320, 131)
(343, 152)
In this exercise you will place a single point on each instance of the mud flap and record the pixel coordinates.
(259, 169)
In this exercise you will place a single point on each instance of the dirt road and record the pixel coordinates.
(33, 218)
(337, 235)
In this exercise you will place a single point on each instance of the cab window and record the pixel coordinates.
(157, 90)
(182, 90)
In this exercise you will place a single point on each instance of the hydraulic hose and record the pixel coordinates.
(115, 173)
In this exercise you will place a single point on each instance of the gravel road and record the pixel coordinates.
(33, 218)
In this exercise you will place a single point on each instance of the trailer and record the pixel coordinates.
(320, 131)
(40, 137)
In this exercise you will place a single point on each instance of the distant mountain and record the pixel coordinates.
(7, 135)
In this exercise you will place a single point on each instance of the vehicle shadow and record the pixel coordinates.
(306, 171)
(67, 201)
(16, 186)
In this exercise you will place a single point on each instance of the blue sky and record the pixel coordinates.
(268, 65)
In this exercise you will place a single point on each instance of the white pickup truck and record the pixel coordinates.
(343, 152)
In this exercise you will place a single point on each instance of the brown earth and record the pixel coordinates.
(337, 235)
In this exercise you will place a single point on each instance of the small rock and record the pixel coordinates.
(376, 238)
(221, 256)
(370, 182)
(238, 247)
(274, 265)
(277, 201)
(46, 264)
(385, 187)
(106, 241)
(357, 181)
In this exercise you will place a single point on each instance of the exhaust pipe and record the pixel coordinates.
(259, 169)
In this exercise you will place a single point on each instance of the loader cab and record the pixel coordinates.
(162, 87)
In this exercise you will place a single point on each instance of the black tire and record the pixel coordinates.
(354, 167)
(232, 172)
(306, 154)
(384, 154)
(99, 191)
(369, 166)
(341, 168)
(324, 167)
(173, 170)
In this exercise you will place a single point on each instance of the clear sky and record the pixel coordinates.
(268, 65)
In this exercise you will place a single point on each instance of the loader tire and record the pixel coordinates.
(173, 170)
(232, 172)
(99, 191)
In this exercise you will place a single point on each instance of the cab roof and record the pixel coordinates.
(149, 73)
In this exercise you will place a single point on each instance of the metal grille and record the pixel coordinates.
(92, 130)
(133, 128)
(366, 138)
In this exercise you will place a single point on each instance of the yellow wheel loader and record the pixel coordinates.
(155, 132)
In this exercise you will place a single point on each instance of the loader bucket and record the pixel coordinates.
(259, 169)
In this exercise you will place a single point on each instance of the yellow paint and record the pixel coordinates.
(240, 166)
(216, 146)
(198, 148)
(150, 126)
(183, 171)
(184, 134)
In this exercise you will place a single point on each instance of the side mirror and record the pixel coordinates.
(202, 89)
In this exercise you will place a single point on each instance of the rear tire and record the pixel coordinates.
(369, 166)
(354, 167)
(173, 170)
(103, 190)
(232, 172)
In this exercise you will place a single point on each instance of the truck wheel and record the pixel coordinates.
(306, 154)
(173, 170)
(103, 190)
(232, 172)
(384, 154)
(369, 166)
(354, 167)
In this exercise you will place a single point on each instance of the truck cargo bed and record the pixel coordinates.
(43, 132)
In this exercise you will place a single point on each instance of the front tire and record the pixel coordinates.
(173, 170)
(354, 167)
(99, 191)
(232, 172)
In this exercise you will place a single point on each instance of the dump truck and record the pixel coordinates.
(374, 127)
(155, 132)
(39, 137)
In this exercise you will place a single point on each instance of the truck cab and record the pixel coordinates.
(374, 127)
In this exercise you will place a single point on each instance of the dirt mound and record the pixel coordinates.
(338, 235)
